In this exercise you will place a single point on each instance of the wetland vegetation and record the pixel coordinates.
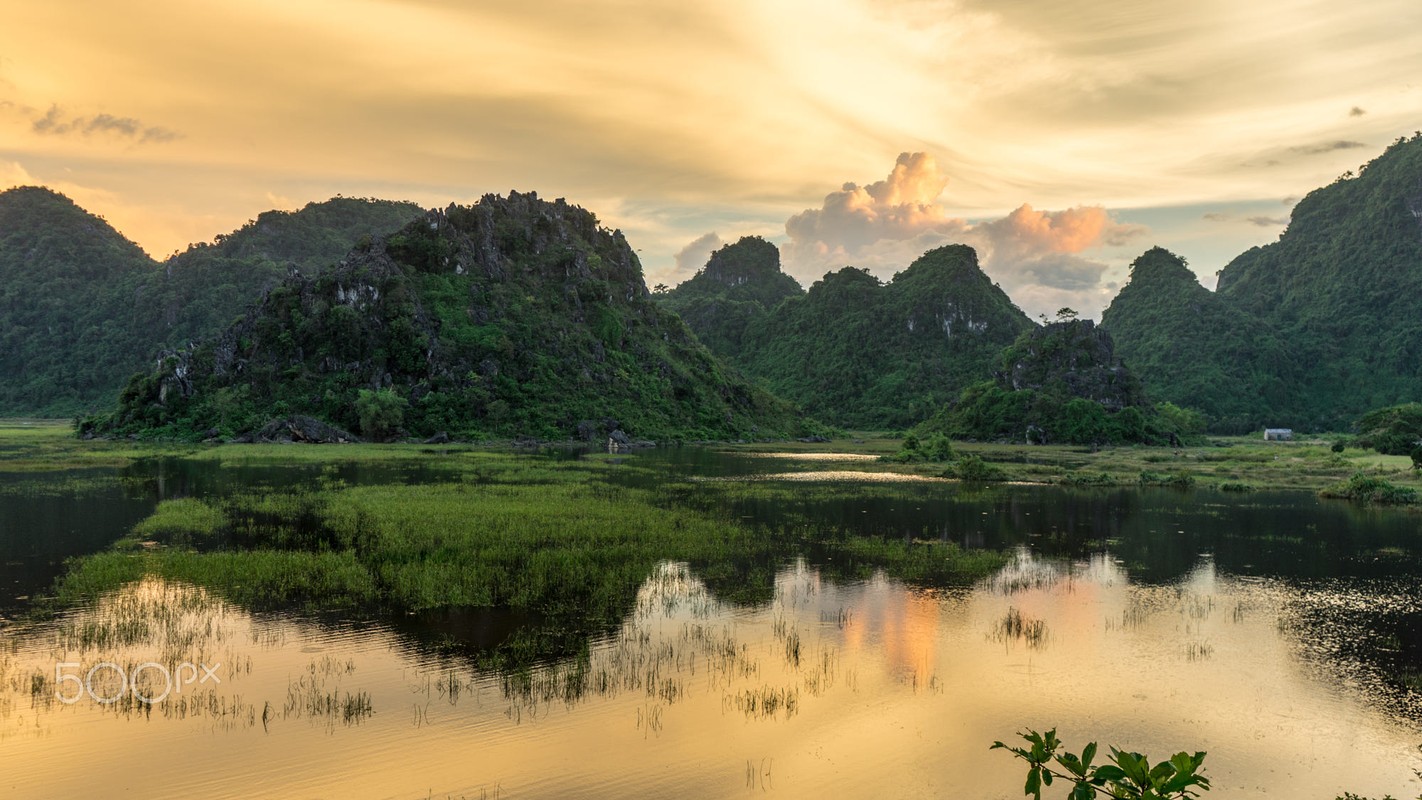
(745, 583)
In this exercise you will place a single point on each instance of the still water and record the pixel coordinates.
(1277, 632)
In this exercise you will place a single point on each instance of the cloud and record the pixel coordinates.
(695, 255)
(1357, 111)
(1060, 271)
(1266, 221)
(1258, 220)
(12, 174)
(1325, 147)
(887, 224)
(55, 122)
(856, 220)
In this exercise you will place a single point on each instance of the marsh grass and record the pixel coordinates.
(507, 530)
(1014, 627)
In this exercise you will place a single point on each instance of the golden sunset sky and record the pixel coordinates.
(1060, 137)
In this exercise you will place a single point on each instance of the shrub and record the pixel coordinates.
(381, 413)
(974, 468)
(1371, 490)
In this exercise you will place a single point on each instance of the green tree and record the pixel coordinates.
(1395, 430)
(381, 413)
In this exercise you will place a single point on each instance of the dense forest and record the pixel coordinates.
(1199, 350)
(512, 317)
(740, 285)
(82, 308)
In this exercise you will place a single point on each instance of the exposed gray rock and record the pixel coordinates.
(301, 428)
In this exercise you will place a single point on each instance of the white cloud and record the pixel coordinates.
(884, 226)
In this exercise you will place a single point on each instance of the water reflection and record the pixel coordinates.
(862, 688)
(1281, 633)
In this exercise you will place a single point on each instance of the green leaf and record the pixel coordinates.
(1072, 764)
(1034, 783)
(1109, 773)
(1087, 754)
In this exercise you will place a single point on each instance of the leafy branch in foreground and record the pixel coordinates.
(1130, 776)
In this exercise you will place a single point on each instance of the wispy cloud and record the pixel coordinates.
(1258, 220)
(1325, 147)
(1267, 222)
(55, 122)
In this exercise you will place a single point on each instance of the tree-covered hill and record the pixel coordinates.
(1197, 349)
(1059, 383)
(201, 290)
(68, 283)
(1343, 286)
(864, 354)
(82, 308)
(739, 286)
(1308, 332)
(514, 316)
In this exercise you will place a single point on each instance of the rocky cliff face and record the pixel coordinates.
(1072, 359)
(514, 316)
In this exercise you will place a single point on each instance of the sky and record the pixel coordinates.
(1061, 138)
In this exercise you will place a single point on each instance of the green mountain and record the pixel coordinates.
(68, 286)
(1309, 332)
(1197, 349)
(1343, 286)
(1059, 383)
(740, 285)
(82, 308)
(200, 291)
(514, 316)
(865, 354)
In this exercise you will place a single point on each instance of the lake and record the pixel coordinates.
(1279, 632)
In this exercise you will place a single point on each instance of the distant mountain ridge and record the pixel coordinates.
(82, 307)
(1308, 332)
(852, 350)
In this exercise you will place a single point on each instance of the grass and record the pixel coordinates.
(503, 530)
(50, 445)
